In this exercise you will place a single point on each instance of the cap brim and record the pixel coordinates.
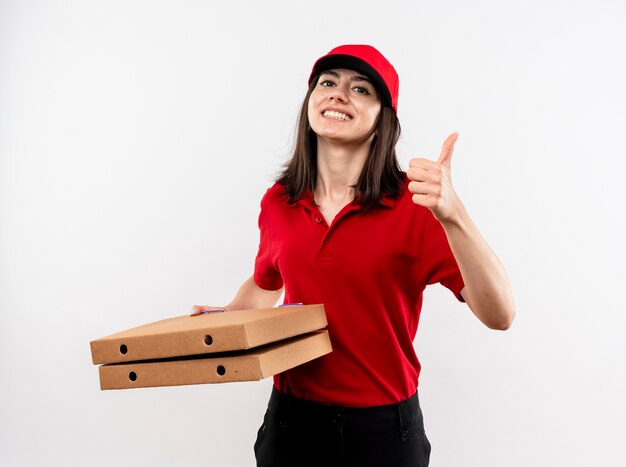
(350, 62)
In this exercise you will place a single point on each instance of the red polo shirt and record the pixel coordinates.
(369, 269)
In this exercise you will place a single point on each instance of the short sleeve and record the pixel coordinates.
(438, 262)
(266, 272)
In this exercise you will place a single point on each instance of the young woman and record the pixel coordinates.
(344, 226)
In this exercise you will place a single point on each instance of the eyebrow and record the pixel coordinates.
(353, 78)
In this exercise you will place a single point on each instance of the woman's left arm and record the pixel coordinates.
(487, 288)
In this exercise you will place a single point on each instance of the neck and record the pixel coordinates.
(338, 170)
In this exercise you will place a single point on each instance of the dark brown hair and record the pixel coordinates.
(381, 172)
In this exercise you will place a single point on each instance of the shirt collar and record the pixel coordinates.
(307, 201)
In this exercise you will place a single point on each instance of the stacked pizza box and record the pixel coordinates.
(216, 347)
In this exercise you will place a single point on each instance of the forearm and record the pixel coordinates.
(250, 295)
(487, 288)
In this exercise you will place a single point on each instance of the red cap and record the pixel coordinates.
(367, 60)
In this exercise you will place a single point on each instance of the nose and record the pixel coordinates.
(339, 94)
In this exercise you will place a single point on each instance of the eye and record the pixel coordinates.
(326, 83)
(361, 90)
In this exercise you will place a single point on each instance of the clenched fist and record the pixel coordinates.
(431, 183)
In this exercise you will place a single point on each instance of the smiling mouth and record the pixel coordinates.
(337, 115)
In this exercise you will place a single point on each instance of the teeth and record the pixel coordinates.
(337, 115)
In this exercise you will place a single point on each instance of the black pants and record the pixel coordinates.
(299, 433)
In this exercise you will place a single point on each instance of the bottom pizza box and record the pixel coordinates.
(249, 365)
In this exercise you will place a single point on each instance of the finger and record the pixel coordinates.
(424, 164)
(200, 309)
(425, 188)
(445, 158)
(423, 200)
(419, 174)
(196, 310)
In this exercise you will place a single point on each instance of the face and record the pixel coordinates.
(344, 107)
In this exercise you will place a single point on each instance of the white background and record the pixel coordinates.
(136, 141)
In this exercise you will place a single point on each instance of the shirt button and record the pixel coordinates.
(318, 219)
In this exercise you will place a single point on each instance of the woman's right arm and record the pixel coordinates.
(248, 296)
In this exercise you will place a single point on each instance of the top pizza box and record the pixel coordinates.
(208, 333)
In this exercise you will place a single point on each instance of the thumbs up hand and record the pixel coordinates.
(431, 183)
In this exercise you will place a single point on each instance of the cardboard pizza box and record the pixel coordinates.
(208, 333)
(249, 365)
